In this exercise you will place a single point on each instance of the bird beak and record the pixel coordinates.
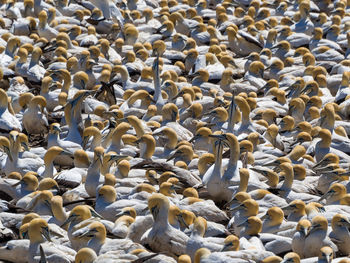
(155, 211)
(264, 217)
(85, 141)
(287, 208)
(325, 196)
(245, 223)
(7, 151)
(65, 153)
(176, 154)
(274, 163)
(88, 233)
(318, 164)
(347, 224)
(69, 220)
(218, 136)
(123, 213)
(100, 158)
(194, 74)
(116, 157)
(233, 201)
(25, 146)
(305, 231)
(225, 247)
(182, 221)
(95, 214)
(194, 138)
(139, 140)
(236, 208)
(56, 128)
(312, 229)
(46, 233)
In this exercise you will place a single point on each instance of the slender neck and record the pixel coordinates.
(243, 184)
(96, 141)
(288, 180)
(157, 91)
(59, 213)
(218, 159)
(234, 154)
(245, 116)
(161, 220)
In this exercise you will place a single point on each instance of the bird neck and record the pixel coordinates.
(16, 149)
(172, 141)
(95, 243)
(66, 84)
(218, 160)
(34, 60)
(117, 141)
(288, 180)
(157, 89)
(162, 220)
(58, 212)
(243, 184)
(96, 141)
(245, 116)
(325, 142)
(49, 167)
(138, 129)
(234, 154)
(147, 150)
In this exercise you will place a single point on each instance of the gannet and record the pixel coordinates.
(38, 229)
(317, 237)
(161, 232)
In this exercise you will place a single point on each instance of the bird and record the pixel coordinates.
(317, 237)
(161, 232)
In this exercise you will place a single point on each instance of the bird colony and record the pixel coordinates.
(175, 131)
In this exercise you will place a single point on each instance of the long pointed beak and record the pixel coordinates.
(85, 141)
(264, 217)
(245, 223)
(176, 154)
(100, 158)
(116, 157)
(312, 229)
(8, 152)
(287, 208)
(68, 220)
(274, 163)
(236, 208)
(318, 164)
(46, 233)
(182, 221)
(305, 231)
(225, 247)
(66, 153)
(25, 146)
(95, 214)
(194, 138)
(88, 233)
(325, 196)
(122, 213)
